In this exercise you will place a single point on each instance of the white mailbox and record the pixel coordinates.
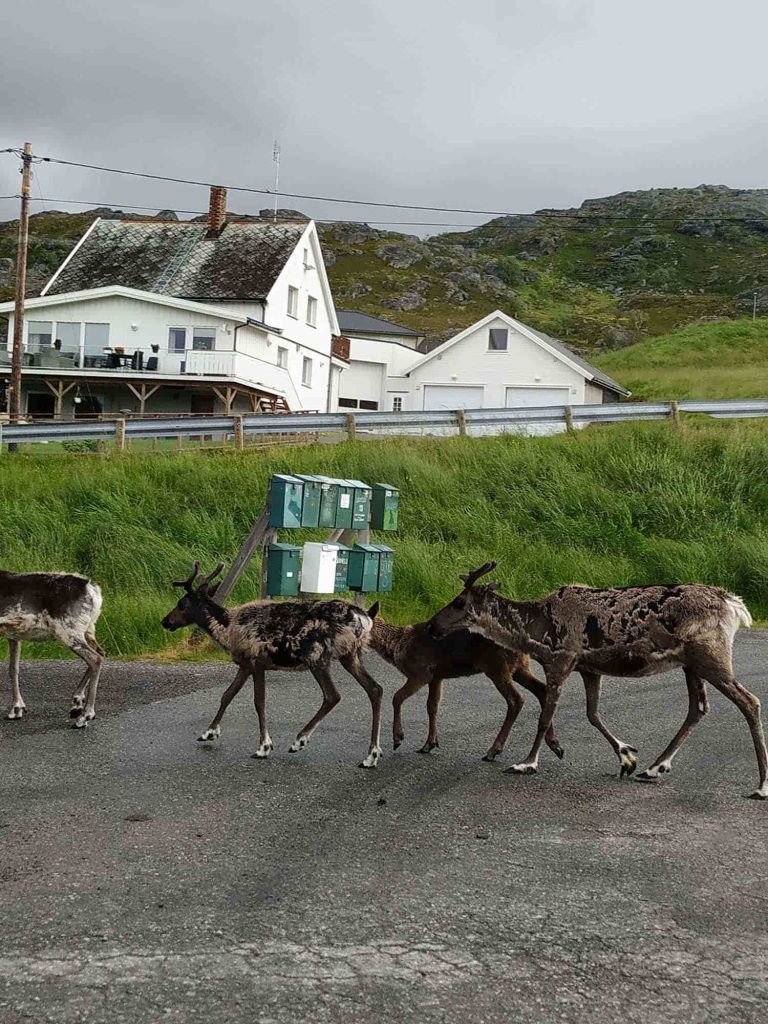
(318, 569)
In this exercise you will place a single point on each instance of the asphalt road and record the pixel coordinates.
(148, 878)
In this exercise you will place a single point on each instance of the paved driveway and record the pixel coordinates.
(148, 878)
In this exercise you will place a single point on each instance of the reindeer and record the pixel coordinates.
(291, 635)
(426, 661)
(58, 606)
(628, 631)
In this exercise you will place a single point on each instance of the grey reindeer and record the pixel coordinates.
(38, 606)
(289, 635)
(622, 631)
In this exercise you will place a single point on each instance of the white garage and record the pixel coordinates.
(536, 397)
(453, 396)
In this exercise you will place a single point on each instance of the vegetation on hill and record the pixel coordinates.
(609, 506)
(714, 360)
(600, 276)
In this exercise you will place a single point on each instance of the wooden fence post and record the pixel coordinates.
(120, 435)
(351, 426)
(461, 418)
(239, 433)
(674, 414)
(568, 419)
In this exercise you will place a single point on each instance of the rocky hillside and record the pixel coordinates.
(600, 276)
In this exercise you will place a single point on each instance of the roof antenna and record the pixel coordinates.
(276, 158)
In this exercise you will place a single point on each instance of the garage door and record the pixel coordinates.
(452, 396)
(525, 398)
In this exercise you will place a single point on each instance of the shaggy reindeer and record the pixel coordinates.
(297, 635)
(629, 631)
(426, 661)
(53, 606)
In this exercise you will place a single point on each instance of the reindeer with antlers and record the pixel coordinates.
(291, 635)
(628, 631)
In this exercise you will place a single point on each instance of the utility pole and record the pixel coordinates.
(14, 398)
(276, 158)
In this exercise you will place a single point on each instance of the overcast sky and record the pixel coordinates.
(491, 104)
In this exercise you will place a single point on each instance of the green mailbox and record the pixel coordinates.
(364, 568)
(329, 499)
(285, 500)
(386, 568)
(283, 570)
(342, 568)
(345, 495)
(384, 507)
(361, 504)
(310, 505)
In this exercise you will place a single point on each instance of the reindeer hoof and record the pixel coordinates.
(429, 747)
(75, 712)
(522, 769)
(371, 760)
(491, 755)
(298, 744)
(758, 794)
(15, 713)
(556, 749)
(264, 751)
(83, 720)
(209, 735)
(397, 739)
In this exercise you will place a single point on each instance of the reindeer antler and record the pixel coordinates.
(187, 583)
(211, 575)
(470, 578)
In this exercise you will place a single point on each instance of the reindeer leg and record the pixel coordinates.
(214, 730)
(78, 697)
(433, 706)
(697, 708)
(19, 707)
(556, 676)
(331, 698)
(627, 755)
(93, 660)
(412, 685)
(514, 699)
(259, 699)
(354, 665)
(526, 678)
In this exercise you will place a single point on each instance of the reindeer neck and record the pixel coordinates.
(215, 620)
(386, 638)
(517, 621)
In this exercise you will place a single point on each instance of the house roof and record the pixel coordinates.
(552, 344)
(242, 262)
(352, 322)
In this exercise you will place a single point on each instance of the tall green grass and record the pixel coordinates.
(627, 504)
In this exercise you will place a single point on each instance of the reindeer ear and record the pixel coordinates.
(494, 586)
(373, 611)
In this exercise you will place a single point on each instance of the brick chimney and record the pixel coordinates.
(217, 211)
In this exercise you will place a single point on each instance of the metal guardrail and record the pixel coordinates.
(462, 420)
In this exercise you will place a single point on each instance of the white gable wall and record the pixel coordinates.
(469, 361)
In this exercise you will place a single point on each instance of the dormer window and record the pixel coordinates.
(293, 301)
(498, 339)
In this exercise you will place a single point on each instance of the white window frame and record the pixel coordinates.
(306, 372)
(212, 331)
(397, 403)
(506, 347)
(306, 260)
(311, 311)
(173, 349)
(282, 357)
(293, 302)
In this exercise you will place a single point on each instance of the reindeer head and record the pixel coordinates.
(464, 610)
(194, 605)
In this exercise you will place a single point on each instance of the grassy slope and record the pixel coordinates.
(609, 506)
(717, 360)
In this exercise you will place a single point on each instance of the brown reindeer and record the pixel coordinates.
(623, 631)
(426, 661)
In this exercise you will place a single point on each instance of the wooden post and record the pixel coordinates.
(239, 434)
(351, 426)
(269, 538)
(244, 555)
(674, 414)
(180, 442)
(14, 397)
(120, 435)
(569, 419)
(462, 421)
(59, 392)
(363, 537)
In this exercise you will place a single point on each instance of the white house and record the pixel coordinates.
(183, 317)
(495, 363)
(377, 348)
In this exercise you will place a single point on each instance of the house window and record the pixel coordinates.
(306, 371)
(397, 403)
(365, 404)
(203, 339)
(293, 301)
(177, 339)
(67, 339)
(311, 311)
(39, 335)
(347, 403)
(307, 263)
(282, 357)
(497, 339)
(96, 339)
